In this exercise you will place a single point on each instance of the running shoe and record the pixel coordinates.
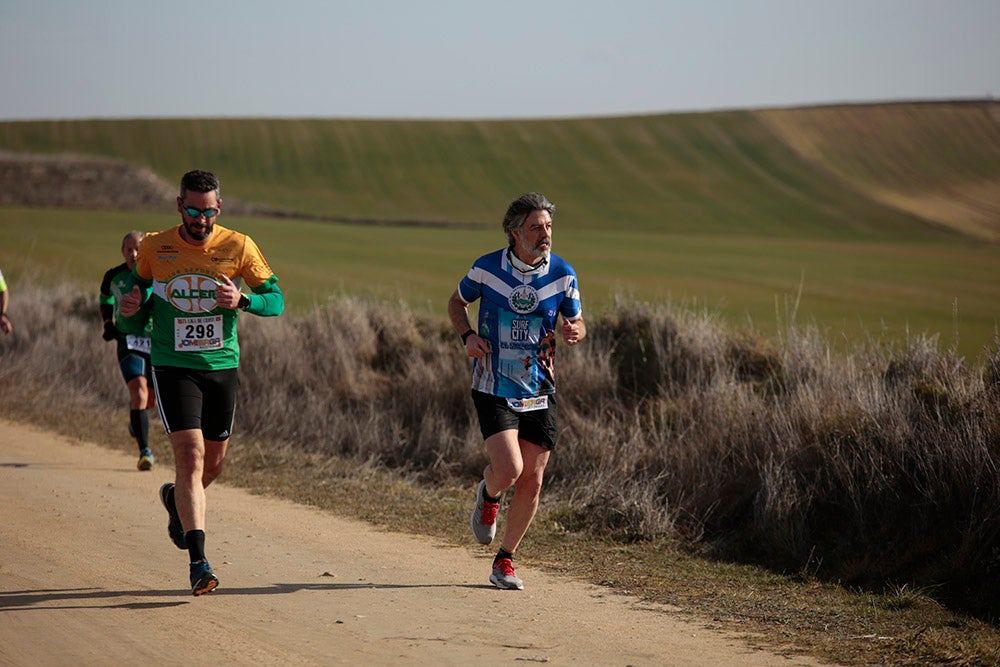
(174, 528)
(503, 576)
(146, 459)
(203, 579)
(483, 519)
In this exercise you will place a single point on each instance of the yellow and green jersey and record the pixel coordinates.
(189, 330)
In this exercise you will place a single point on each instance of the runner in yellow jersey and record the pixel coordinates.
(193, 273)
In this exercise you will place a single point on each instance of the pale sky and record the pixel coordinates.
(68, 59)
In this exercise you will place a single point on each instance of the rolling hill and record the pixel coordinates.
(905, 170)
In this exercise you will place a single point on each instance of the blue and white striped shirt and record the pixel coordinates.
(517, 315)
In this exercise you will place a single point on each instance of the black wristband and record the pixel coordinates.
(244, 302)
(466, 335)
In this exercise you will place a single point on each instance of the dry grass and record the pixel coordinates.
(844, 507)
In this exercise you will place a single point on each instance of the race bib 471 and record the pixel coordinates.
(137, 343)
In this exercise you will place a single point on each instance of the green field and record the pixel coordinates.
(850, 289)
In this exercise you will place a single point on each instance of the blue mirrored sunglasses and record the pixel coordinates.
(209, 213)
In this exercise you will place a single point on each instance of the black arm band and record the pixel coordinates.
(244, 302)
(466, 335)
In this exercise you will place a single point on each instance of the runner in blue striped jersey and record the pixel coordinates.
(523, 291)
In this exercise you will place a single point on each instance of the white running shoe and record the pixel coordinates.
(483, 519)
(503, 576)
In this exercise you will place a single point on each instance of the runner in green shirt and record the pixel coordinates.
(132, 347)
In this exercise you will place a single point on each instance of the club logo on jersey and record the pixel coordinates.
(523, 299)
(192, 294)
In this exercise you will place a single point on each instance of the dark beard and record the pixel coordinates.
(199, 236)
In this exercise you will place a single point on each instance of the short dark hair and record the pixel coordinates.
(520, 209)
(199, 181)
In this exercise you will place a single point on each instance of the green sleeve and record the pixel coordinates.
(267, 299)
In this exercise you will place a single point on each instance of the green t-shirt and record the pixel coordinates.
(113, 287)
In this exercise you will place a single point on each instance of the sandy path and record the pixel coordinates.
(88, 577)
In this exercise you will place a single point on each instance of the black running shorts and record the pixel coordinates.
(193, 399)
(538, 427)
(133, 363)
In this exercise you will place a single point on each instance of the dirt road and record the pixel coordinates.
(89, 577)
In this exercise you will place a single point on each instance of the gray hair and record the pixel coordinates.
(520, 209)
(134, 233)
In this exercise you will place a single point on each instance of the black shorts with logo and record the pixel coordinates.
(538, 427)
(194, 399)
